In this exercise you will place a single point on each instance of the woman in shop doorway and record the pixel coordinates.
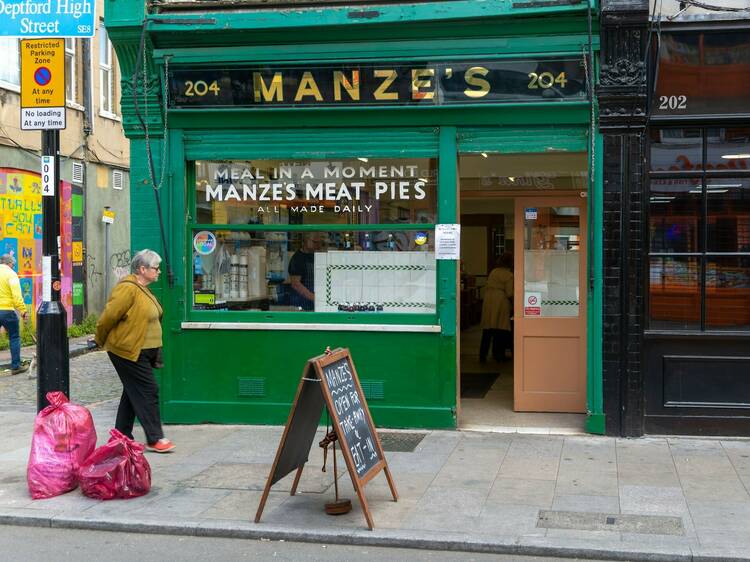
(497, 309)
(129, 330)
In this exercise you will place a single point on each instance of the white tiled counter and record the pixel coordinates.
(398, 281)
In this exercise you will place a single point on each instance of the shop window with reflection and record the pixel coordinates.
(340, 191)
(699, 235)
(551, 253)
(291, 236)
(488, 171)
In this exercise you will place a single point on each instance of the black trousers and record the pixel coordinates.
(140, 395)
(500, 339)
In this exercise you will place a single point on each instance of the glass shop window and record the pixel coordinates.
(377, 271)
(329, 235)
(699, 232)
(489, 171)
(702, 72)
(334, 191)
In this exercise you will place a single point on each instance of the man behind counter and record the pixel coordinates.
(302, 272)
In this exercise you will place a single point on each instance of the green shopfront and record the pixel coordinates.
(310, 164)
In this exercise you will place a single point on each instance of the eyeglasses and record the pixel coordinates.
(157, 268)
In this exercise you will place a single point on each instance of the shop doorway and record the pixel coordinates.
(522, 321)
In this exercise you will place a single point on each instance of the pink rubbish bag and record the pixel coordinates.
(117, 469)
(64, 435)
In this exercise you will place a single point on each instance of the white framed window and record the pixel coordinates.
(106, 75)
(10, 64)
(70, 71)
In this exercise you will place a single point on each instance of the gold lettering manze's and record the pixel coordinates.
(308, 87)
(418, 81)
(382, 93)
(473, 80)
(352, 87)
(268, 93)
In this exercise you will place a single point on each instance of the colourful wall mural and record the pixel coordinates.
(21, 234)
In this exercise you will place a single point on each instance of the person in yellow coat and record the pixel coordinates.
(497, 309)
(129, 329)
(11, 304)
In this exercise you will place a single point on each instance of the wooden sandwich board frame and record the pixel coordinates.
(313, 388)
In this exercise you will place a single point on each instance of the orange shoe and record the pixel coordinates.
(163, 445)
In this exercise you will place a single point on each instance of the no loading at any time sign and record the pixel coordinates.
(42, 84)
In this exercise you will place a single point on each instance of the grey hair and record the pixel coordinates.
(145, 258)
(8, 260)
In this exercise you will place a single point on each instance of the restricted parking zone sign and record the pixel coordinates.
(42, 84)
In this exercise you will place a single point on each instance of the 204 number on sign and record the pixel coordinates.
(546, 80)
(672, 102)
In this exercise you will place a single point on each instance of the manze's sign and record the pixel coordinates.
(330, 382)
(419, 83)
(315, 183)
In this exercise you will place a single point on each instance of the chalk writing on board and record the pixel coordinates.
(330, 381)
(352, 417)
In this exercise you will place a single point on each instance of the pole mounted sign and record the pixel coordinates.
(47, 18)
(42, 84)
(43, 24)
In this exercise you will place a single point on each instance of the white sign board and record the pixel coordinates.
(108, 217)
(48, 176)
(532, 304)
(530, 214)
(447, 241)
(47, 278)
(42, 119)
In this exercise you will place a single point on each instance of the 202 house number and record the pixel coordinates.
(672, 102)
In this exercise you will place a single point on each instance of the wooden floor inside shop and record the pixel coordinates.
(487, 396)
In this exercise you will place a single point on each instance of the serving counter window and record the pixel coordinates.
(351, 235)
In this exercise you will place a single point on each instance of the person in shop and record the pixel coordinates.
(497, 310)
(302, 273)
(11, 306)
(129, 329)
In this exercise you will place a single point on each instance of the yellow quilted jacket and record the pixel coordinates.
(121, 329)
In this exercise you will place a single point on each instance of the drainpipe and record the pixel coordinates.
(88, 99)
(106, 257)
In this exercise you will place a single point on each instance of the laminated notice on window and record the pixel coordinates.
(447, 241)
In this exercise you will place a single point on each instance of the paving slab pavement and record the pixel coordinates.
(76, 346)
(570, 496)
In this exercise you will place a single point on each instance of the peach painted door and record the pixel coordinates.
(549, 359)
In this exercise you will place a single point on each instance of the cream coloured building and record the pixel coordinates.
(94, 162)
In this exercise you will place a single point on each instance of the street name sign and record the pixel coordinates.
(42, 84)
(47, 18)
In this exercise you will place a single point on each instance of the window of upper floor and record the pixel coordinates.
(10, 64)
(107, 91)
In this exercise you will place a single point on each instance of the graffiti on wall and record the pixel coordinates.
(120, 265)
(21, 234)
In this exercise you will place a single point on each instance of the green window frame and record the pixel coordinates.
(308, 144)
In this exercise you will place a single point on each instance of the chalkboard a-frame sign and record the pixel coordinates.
(331, 381)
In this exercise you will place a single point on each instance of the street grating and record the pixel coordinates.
(400, 441)
(619, 523)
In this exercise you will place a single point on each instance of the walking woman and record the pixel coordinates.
(497, 309)
(130, 331)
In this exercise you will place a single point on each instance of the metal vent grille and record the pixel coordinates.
(116, 179)
(251, 387)
(77, 173)
(374, 390)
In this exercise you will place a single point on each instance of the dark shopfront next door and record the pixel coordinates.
(697, 386)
